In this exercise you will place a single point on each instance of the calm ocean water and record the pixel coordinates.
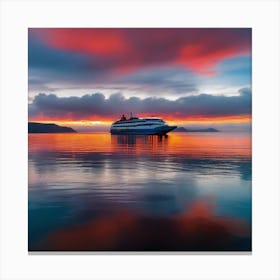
(184, 192)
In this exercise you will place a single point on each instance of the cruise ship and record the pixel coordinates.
(140, 126)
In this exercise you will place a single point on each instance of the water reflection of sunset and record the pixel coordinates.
(187, 191)
(196, 230)
(191, 144)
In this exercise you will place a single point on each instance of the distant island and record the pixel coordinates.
(34, 127)
(183, 129)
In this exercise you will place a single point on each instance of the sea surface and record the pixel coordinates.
(97, 192)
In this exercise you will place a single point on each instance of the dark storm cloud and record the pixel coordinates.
(87, 106)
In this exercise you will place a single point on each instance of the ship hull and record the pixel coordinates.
(143, 131)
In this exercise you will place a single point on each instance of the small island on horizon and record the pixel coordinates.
(34, 127)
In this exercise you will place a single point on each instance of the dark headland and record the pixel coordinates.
(34, 127)
(183, 129)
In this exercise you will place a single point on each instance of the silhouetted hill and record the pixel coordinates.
(34, 127)
(183, 129)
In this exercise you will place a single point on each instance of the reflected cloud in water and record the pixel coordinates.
(195, 230)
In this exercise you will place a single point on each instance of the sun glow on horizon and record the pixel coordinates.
(101, 125)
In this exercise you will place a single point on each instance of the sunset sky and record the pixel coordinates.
(87, 77)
